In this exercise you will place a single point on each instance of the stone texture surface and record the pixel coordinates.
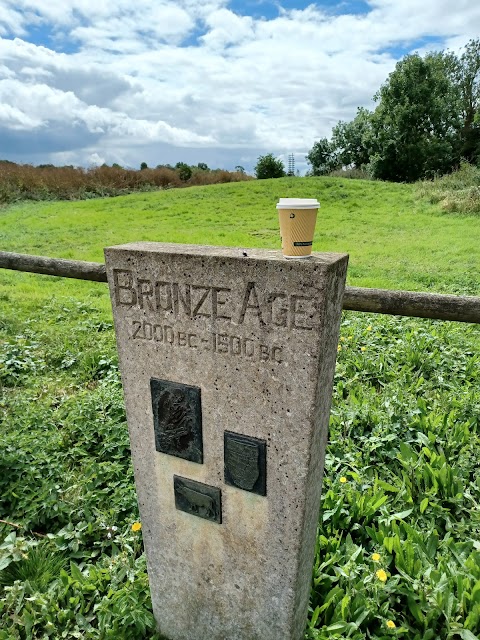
(258, 335)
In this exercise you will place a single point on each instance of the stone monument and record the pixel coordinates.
(227, 360)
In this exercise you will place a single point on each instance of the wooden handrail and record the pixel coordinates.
(386, 301)
(94, 271)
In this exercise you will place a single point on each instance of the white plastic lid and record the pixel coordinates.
(298, 203)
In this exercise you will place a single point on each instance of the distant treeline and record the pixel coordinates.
(47, 182)
(426, 122)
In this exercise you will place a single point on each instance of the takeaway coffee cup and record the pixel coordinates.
(297, 224)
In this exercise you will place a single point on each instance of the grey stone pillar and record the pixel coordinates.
(227, 360)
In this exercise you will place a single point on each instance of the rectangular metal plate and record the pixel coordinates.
(177, 419)
(198, 499)
(245, 462)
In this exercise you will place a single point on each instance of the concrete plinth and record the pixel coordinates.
(227, 360)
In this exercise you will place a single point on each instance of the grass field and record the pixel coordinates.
(394, 238)
(398, 551)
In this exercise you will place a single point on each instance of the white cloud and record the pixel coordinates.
(226, 28)
(48, 107)
(96, 160)
(11, 21)
(199, 76)
(125, 33)
(14, 118)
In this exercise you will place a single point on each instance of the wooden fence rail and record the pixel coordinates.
(399, 303)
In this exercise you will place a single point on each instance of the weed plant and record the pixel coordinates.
(458, 192)
(398, 552)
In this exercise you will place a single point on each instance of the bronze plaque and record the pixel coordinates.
(245, 462)
(177, 419)
(198, 499)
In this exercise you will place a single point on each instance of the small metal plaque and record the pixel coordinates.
(245, 462)
(198, 499)
(177, 419)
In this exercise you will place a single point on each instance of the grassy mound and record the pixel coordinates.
(395, 239)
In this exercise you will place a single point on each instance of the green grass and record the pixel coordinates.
(401, 494)
(394, 238)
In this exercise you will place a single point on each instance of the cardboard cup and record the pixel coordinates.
(297, 218)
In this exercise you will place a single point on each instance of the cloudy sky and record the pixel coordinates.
(216, 81)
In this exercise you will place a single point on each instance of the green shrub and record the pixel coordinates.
(184, 171)
(269, 167)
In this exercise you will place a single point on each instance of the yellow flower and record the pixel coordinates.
(343, 479)
(391, 624)
(381, 575)
(369, 328)
(339, 348)
(136, 526)
(350, 337)
(363, 348)
(376, 557)
(342, 338)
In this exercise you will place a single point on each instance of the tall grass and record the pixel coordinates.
(352, 172)
(26, 182)
(458, 192)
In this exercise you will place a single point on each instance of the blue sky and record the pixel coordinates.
(271, 9)
(85, 82)
(44, 35)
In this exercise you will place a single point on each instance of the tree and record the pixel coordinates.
(184, 171)
(354, 141)
(143, 166)
(427, 120)
(269, 167)
(239, 168)
(202, 166)
(467, 77)
(323, 157)
(416, 123)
